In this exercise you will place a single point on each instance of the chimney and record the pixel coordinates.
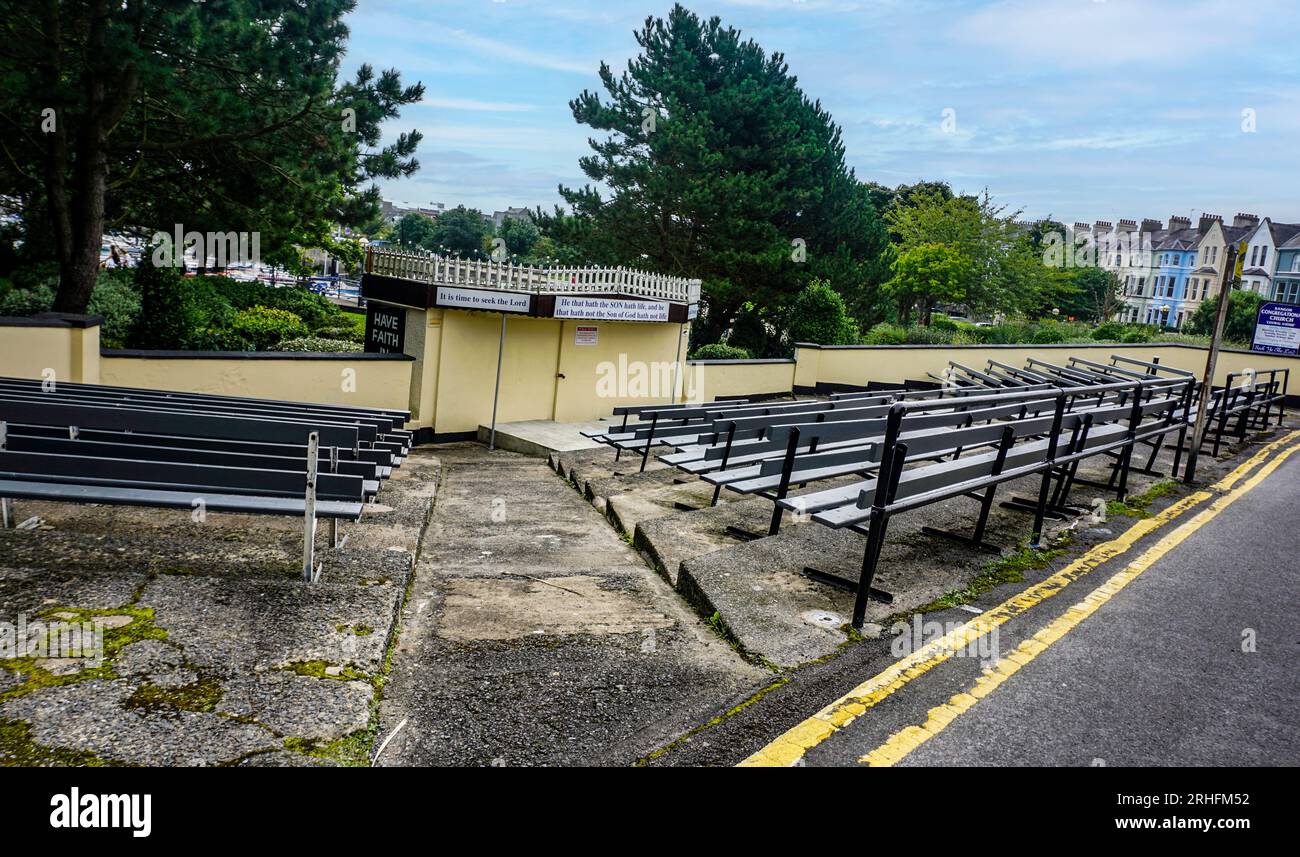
(1102, 226)
(1082, 227)
(1208, 220)
(1177, 223)
(1128, 226)
(1150, 224)
(1245, 219)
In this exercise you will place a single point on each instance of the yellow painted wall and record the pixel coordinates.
(741, 379)
(71, 353)
(449, 386)
(467, 363)
(889, 364)
(378, 383)
(630, 362)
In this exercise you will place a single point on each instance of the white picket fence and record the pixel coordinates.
(444, 271)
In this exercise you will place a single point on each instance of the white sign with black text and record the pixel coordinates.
(483, 299)
(610, 309)
(586, 334)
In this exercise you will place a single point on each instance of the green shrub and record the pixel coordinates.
(1136, 334)
(1108, 330)
(115, 299)
(24, 302)
(886, 334)
(818, 315)
(942, 322)
(266, 327)
(314, 310)
(919, 335)
(751, 331)
(343, 333)
(1047, 334)
(167, 317)
(219, 339)
(317, 343)
(720, 351)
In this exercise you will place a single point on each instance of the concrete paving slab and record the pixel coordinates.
(520, 650)
(540, 438)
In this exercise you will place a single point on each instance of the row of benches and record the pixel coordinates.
(90, 443)
(904, 448)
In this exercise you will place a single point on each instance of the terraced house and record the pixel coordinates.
(1134, 268)
(1172, 260)
(1261, 262)
(1185, 264)
(1286, 277)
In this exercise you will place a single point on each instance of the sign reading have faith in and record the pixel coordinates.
(610, 309)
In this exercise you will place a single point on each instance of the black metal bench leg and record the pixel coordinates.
(649, 442)
(870, 558)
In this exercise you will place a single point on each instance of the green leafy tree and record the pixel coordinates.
(1095, 294)
(520, 236)
(1005, 273)
(416, 230)
(461, 231)
(927, 274)
(218, 116)
(1238, 327)
(713, 164)
(818, 315)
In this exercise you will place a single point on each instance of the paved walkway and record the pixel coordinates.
(534, 635)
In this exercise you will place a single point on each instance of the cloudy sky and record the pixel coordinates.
(1081, 109)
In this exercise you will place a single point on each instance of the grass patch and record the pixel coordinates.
(1007, 569)
(141, 627)
(1136, 505)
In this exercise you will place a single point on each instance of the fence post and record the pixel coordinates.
(309, 511)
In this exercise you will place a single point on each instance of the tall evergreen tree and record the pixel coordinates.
(715, 165)
(221, 116)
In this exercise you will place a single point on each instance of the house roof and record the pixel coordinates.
(1283, 232)
(1182, 239)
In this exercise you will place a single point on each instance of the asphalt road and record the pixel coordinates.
(1160, 675)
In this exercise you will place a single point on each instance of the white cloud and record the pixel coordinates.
(1092, 35)
(445, 103)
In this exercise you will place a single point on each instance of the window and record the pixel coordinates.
(1288, 292)
(1254, 251)
(1263, 255)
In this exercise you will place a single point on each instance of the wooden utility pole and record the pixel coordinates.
(1207, 380)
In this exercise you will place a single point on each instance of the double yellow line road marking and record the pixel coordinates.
(789, 748)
